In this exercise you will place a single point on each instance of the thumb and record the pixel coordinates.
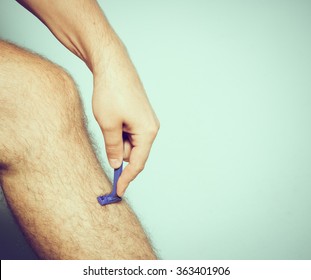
(114, 145)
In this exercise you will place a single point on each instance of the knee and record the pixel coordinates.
(34, 87)
(57, 100)
(39, 101)
(47, 99)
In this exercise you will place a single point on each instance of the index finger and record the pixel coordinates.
(137, 161)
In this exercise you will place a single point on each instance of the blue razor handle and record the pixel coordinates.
(112, 197)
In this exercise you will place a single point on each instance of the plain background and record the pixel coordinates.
(229, 176)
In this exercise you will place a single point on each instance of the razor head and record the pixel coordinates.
(112, 197)
(108, 199)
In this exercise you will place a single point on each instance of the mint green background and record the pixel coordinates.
(229, 176)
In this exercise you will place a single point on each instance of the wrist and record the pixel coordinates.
(104, 52)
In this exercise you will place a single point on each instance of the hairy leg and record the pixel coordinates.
(49, 172)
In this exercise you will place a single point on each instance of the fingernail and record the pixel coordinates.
(115, 163)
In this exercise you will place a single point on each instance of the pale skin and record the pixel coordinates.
(120, 103)
(49, 172)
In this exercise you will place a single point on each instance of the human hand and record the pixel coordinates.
(124, 114)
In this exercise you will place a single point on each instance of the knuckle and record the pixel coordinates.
(104, 123)
(98, 116)
(153, 130)
(108, 126)
(113, 149)
(138, 167)
(157, 127)
(158, 124)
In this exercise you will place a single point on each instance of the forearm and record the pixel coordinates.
(80, 25)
